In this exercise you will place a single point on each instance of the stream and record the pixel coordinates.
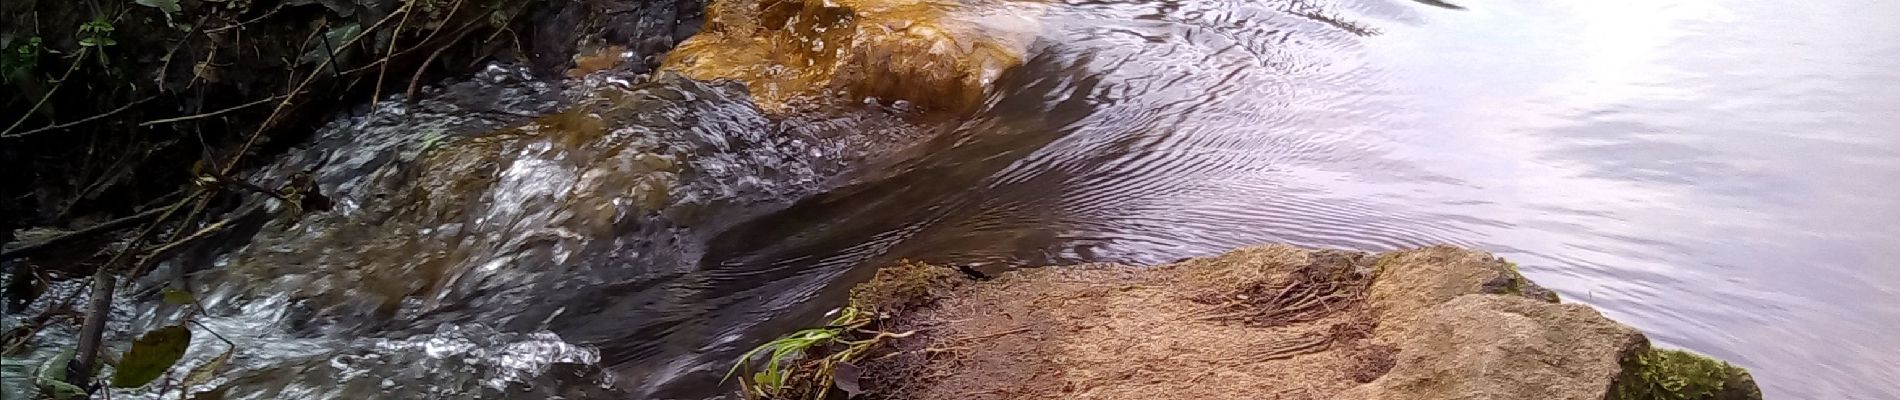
(1716, 173)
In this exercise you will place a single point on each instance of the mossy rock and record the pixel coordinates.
(1653, 374)
(1511, 282)
(904, 286)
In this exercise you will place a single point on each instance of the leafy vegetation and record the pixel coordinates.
(805, 364)
(128, 126)
(96, 33)
(142, 114)
(810, 363)
(18, 61)
(113, 102)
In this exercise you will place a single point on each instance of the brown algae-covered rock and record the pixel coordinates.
(1269, 322)
(938, 54)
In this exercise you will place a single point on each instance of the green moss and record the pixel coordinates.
(1678, 375)
(900, 287)
(1516, 286)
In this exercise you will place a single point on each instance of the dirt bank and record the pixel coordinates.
(1272, 322)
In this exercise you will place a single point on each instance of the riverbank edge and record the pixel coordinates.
(1428, 323)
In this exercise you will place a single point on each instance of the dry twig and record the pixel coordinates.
(103, 282)
(85, 120)
(210, 114)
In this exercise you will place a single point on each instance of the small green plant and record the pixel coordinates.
(20, 60)
(803, 364)
(96, 33)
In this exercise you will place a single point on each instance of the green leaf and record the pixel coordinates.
(174, 296)
(334, 39)
(168, 6)
(58, 390)
(55, 368)
(151, 356)
(342, 8)
(51, 378)
(97, 25)
(768, 381)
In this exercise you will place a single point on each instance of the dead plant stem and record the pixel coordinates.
(376, 93)
(232, 164)
(210, 114)
(54, 127)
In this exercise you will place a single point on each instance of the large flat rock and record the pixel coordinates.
(1270, 322)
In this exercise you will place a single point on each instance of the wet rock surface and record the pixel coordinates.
(503, 237)
(579, 213)
(937, 54)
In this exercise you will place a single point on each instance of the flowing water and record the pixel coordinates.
(1717, 173)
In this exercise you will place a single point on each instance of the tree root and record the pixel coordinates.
(1309, 293)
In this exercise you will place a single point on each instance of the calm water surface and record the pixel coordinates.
(1718, 173)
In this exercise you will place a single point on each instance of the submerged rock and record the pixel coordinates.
(937, 54)
(1272, 322)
